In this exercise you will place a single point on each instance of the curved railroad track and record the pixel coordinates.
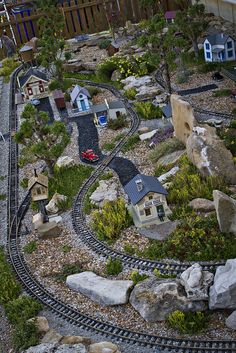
(35, 289)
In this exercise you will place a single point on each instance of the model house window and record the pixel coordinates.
(150, 197)
(208, 55)
(38, 191)
(81, 96)
(30, 92)
(230, 53)
(229, 45)
(148, 212)
(207, 46)
(41, 88)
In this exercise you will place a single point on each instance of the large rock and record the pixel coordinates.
(65, 161)
(146, 92)
(136, 82)
(75, 340)
(106, 191)
(54, 348)
(202, 205)
(51, 336)
(74, 348)
(54, 204)
(101, 290)
(226, 212)
(223, 291)
(42, 348)
(116, 75)
(196, 282)
(41, 323)
(147, 135)
(156, 298)
(209, 154)
(103, 347)
(49, 230)
(162, 178)
(182, 117)
(171, 158)
(230, 322)
(37, 220)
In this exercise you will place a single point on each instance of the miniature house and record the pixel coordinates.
(112, 110)
(33, 84)
(219, 47)
(147, 200)
(38, 185)
(170, 16)
(80, 98)
(59, 99)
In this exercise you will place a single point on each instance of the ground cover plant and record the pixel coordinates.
(165, 147)
(8, 66)
(148, 111)
(130, 143)
(130, 93)
(188, 322)
(18, 308)
(137, 277)
(30, 247)
(228, 135)
(67, 270)
(226, 92)
(108, 146)
(118, 123)
(113, 267)
(97, 78)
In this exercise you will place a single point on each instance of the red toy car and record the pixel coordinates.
(89, 155)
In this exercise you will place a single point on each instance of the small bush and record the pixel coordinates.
(113, 267)
(130, 143)
(109, 146)
(166, 147)
(222, 93)
(8, 66)
(130, 93)
(208, 67)
(22, 309)
(25, 335)
(93, 91)
(111, 220)
(148, 111)
(53, 85)
(67, 270)
(24, 183)
(104, 44)
(162, 169)
(188, 322)
(30, 247)
(137, 277)
(129, 249)
(118, 123)
(159, 274)
(66, 248)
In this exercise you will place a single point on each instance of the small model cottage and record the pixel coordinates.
(111, 110)
(34, 84)
(147, 200)
(219, 47)
(38, 185)
(80, 98)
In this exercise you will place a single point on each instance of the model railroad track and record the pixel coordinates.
(67, 312)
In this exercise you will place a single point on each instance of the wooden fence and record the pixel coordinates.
(81, 16)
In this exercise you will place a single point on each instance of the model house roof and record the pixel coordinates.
(25, 48)
(32, 72)
(40, 179)
(98, 108)
(141, 185)
(79, 90)
(170, 15)
(116, 105)
(218, 38)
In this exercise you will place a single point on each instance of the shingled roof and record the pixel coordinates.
(147, 183)
(77, 90)
(32, 72)
(218, 38)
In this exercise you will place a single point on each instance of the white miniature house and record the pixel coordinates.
(34, 84)
(147, 201)
(38, 186)
(219, 47)
(80, 98)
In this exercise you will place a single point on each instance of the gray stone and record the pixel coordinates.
(74, 348)
(49, 230)
(101, 290)
(196, 282)
(103, 347)
(136, 82)
(51, 336)
(116, 75)
(155, 299)
(41, 323)
(42, 348)
(106, 191)
(54, 204)
(55, 348)
(226, 212)
(65, 161)
(162, 178)
(223, 291)
(143, 130)
(147, 135)
(230, 322)
(202, 205)
(171, 158)
(146, 92)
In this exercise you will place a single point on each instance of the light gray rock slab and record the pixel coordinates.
(203, 205)
(230, 322)
(101, 290)
(225, 211)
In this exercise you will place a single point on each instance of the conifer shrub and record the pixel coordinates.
(137, 277)
(148, 111)
(113, 267)
(189, 322)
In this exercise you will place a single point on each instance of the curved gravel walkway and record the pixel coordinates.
(88, 138)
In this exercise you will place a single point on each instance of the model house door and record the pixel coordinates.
(83, 106)
(160, 212)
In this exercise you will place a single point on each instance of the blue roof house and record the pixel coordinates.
(147, 201)
(219, 47)
(80, 98)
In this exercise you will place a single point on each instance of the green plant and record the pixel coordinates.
(208, 67)
(30, 247)
(226, 92)
(130, 93)
(137, 277)
(148, 111)
(2, 197)
(118, 123)
(189, 322)
(8, 66)
(113, 267)
(129, 249)
(103, 44)
(93, 91)
(162, 169)
(109, 146)
(66, 248)
(130, 143)
(166, 147)
(160, 274)
(67, 270)
(111, 220)
(24, 183)
(228, 134)
(22, 309)
(233, 111)
(25, 335)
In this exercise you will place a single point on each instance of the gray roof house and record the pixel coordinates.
(147, 200)
(32, 72)
(80, 99)
(219, 47)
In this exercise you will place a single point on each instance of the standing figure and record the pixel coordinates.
(8, 44)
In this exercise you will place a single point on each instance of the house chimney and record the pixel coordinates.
(139, 184)
(35, 173)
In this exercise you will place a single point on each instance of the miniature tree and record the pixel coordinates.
(41, 140)
(192, 22)
(51, 26)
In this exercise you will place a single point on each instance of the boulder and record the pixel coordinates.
(37, 220)
(54, 204)
(101, 290)
(182, 117)
(162, 178)
(230, 322)
(146, 92)
(74, 348)
(41, 323)
(103, 347)
(196, 282)
(65, 161)
(202, 205)
(106, 191)
(75, 340)
(160, 98)
(209, 154)
(225, 211)
(147, 135)
(143, 130)
(116, 75)
(49, 230)
(171, 158)
(155, 299)
(223, 291)
(136, 82)
(51, 336)
(42, 348)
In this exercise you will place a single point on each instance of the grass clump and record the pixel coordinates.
(137, 277)
(166, 147)
(30, 247)
(159, 274)
(8, 66)
(66, 248)
(111, 220)
(22, 309)
(130, 93)
(188, 322)
(129, 249)
(148, 111)
(109, 146)
(24, 183)
(225, 92)
(113, 267)
(118, 123)
(130, 143)
(67, 270)
(229, 136)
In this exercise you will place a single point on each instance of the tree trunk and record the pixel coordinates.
(167, 76)
(195, 48)
(50, 168)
